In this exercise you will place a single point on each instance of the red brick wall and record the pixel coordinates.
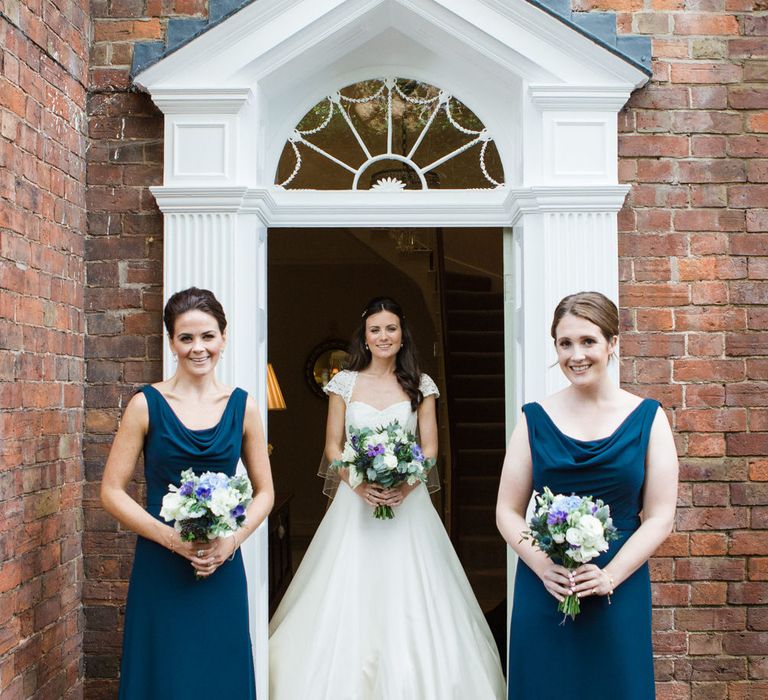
(694, 260)
(694, 257)
(43, 62)
(124, 251)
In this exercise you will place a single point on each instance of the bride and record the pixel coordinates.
(381, 609)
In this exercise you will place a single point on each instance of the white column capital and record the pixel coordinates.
(574, 198)
(574, 98)
(190, 200)
(206, 136)
(201, 100)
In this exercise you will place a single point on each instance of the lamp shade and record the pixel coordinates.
(275, 400)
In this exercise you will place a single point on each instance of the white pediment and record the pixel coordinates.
(546, 93)
(276, 36)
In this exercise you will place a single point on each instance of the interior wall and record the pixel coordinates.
(319, 283)
(475, 251)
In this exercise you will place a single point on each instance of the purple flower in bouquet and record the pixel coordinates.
(203, 492)
(417, 452)
(556, 517)
(375, 450)
(187, 489)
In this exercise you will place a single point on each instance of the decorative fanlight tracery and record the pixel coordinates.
(428, 121)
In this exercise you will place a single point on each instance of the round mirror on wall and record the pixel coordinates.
(325, 361)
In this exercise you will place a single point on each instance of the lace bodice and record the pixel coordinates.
(362, 415)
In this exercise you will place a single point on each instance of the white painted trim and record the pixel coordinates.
(192, 100)
(276, 207)
(572, 98)
(260, 31)
(513, 368)
(587, 55)
(579, 146)
(214, 127)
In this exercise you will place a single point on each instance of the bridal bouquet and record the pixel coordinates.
(573, 530)
(207, 506)
(386, 456)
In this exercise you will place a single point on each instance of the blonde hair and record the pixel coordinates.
(591, 306)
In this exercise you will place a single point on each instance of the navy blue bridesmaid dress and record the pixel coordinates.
(606, 652)
(186, 639)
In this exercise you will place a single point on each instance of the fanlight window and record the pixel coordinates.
(390, 134)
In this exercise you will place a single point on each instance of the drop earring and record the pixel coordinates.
(175, 357)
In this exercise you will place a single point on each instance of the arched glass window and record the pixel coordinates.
(390, 134)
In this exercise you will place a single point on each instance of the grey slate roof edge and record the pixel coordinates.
(634, 49)
(600, 27)
(181, 31)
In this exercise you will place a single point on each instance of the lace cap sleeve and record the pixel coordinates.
(341, 384)
(427, 386)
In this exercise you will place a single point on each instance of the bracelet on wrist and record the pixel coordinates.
(235, 547)
(610, 586)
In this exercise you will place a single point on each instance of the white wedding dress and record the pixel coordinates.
(381, 609)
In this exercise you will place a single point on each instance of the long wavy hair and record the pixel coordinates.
(407, 361)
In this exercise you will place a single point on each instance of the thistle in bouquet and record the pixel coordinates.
(387, 456)
(207, 506)
(572, 530)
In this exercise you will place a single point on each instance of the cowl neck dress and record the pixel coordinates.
(186, 639)
(606, 652)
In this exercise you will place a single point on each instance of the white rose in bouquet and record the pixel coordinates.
(223, 501)
(349, 453)
(592, 531)
(377, 439)
(172, 503)
(574, 536)
(356, 478)
(588, 535)
(390, 462)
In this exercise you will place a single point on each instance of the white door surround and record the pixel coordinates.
(231, 97)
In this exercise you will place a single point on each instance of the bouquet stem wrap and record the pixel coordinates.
(570, 607)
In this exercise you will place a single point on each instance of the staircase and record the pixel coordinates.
(475, 377)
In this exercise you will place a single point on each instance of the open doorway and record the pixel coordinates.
(449, 283)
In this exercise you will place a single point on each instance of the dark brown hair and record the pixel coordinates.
(407, 361)
(193, 299)
(591, 306)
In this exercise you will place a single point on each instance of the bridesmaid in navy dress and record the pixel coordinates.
(187, 639)
(591, 439)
